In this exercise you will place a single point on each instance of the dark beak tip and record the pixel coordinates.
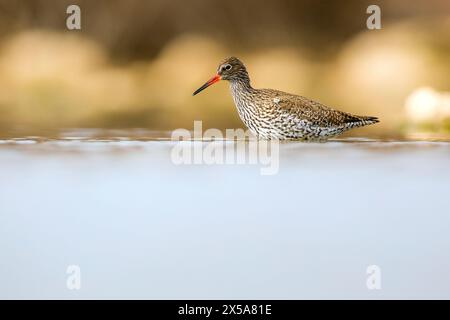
(207, 84)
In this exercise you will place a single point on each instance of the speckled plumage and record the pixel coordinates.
(273, 114)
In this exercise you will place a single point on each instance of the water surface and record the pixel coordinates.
(140, 226)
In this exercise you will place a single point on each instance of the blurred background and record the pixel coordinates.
(135, 64)
(141, 226)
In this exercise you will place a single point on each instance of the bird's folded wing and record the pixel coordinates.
(313, 111)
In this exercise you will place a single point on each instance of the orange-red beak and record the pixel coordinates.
(211, 81)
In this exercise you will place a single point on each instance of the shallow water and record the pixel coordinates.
(140, 226)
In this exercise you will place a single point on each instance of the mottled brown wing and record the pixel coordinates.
(313, 111)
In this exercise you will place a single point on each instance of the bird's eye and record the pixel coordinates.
(228, 67)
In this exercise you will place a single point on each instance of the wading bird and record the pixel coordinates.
(272, 114)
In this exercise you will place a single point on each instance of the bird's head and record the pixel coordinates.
(231, 69)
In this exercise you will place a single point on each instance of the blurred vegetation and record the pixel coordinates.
(135, 63)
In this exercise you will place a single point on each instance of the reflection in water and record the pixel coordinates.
(94, 134)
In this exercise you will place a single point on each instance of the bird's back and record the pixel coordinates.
(310, 110)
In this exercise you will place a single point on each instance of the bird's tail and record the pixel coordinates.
(360, 121)
(369, 120)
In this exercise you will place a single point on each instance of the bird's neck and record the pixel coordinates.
(243, 96)
(241, 86)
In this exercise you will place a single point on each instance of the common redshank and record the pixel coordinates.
(272, 114)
